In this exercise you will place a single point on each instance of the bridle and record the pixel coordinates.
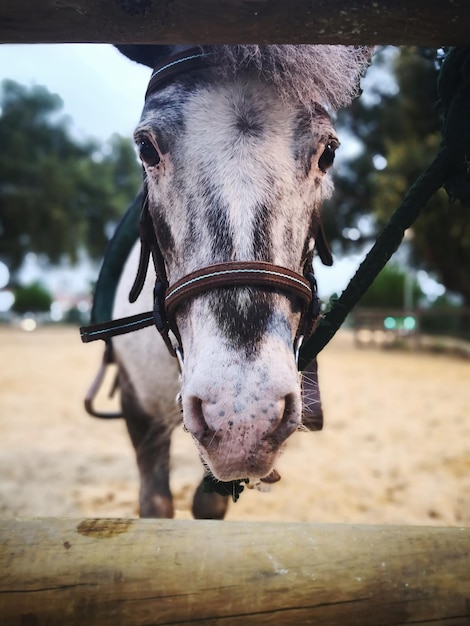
(167, 298)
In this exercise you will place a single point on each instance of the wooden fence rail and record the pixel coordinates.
(399, 22)
(115, 572)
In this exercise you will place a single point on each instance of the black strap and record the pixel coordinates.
(148, 246)
(322, 247)
(186, 60)
(108, 359)
(241, 274)
(388, 241)
(106, 330)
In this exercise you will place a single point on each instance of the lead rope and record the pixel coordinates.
(387, 243)
(450, 169)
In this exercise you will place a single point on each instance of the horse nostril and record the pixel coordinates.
(207, 422)
(289, 421)
(290, 408)
(194, 419)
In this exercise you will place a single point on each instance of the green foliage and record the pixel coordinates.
(388, 289)
(32, 298)
(402, 129)
(57, 195)
(76, 317)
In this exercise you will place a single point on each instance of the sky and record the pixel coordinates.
(101, 89)
(103, 93)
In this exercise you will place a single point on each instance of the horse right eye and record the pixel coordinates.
(148, 153)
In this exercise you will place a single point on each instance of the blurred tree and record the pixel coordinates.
(32, 298)
(389, 289)
(399, 131)
(57, 195)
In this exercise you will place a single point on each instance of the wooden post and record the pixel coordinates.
(115, 572)
(399, 22)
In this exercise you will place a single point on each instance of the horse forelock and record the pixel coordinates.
(323, 73)
(308, 74)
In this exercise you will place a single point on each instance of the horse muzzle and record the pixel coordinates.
(240, 415)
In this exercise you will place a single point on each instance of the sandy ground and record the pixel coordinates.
(395, 447)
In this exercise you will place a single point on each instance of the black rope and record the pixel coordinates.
(387, 243)
(450, 169)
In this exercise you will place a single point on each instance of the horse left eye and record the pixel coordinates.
(327, 158)
(148, 153)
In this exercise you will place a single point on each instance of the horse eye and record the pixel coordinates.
(148, 153)
(327, 158)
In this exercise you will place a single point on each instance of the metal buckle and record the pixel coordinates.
(297, 345)
(180, 357)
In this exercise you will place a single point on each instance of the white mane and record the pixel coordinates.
(309, 74)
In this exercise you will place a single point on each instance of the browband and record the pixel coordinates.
(186, 60)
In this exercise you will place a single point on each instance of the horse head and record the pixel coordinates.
(236, 148)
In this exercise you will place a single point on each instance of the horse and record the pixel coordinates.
(236, 144)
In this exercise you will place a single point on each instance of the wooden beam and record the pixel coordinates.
(399, 22)
(115, 572)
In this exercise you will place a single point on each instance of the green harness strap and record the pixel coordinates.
(117, 251)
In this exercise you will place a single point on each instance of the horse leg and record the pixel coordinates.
(151, 438)
(209, 505)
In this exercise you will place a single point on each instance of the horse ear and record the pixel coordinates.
(145, 54)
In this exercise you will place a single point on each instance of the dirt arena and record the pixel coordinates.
(395, 448)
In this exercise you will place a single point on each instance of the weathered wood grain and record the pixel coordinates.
(399, 22)
(115, 572)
